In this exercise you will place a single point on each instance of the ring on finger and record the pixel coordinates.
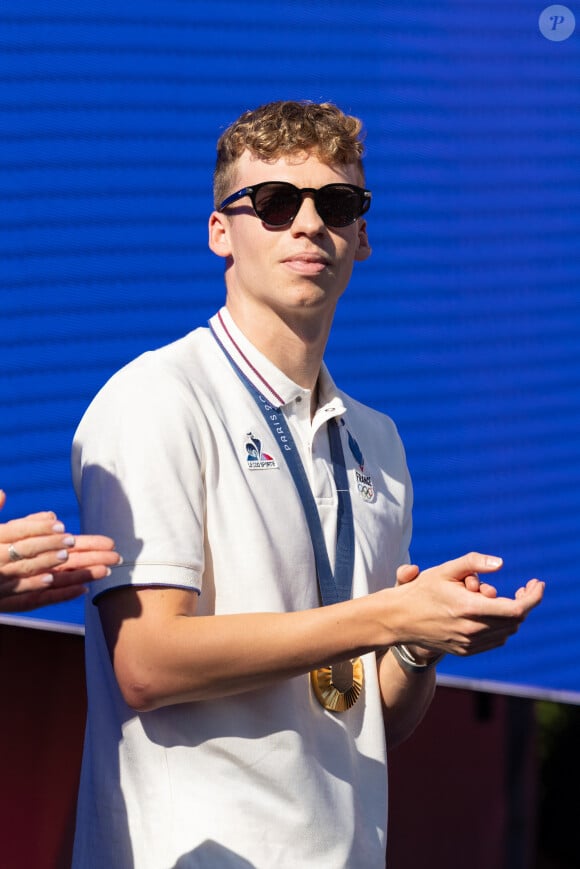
(13, 553)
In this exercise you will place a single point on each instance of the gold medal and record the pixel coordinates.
(338, 686)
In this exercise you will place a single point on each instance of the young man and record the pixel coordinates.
(265, 630)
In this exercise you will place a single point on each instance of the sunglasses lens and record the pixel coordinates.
(339, 205)
(277, 204)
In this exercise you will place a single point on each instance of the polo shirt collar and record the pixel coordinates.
(272, 383)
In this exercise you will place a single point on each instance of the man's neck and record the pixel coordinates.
(294, 345)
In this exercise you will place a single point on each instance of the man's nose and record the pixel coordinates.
(308, 220)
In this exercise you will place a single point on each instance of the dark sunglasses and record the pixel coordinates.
(277, 202)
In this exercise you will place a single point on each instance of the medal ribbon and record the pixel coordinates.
(333, 588)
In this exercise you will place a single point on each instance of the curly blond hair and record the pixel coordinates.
(286, 127)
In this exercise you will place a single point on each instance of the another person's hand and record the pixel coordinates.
(41, 564)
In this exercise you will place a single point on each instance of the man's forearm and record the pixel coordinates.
(406, 697)
(166, 656)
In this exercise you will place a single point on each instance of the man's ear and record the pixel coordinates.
(363, 250)
(219, 236)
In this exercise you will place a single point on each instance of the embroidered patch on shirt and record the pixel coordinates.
(256, 459)
(364, 482)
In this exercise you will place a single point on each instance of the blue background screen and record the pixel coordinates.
(463, 325)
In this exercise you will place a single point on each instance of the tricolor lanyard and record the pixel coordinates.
(337, 587)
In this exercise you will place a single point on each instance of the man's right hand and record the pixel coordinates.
(448, 617)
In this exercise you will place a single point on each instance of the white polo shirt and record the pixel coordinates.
(175, 461)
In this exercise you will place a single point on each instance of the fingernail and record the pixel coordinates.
(62, 555)
(69, 540)
(120, 561)
(108, 573)
(494, 562)
(58, 527)
(47, 579)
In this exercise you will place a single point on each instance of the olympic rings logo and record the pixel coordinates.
(366, 492)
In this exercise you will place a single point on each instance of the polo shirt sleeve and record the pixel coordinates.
(407, 528)
(138, 475)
